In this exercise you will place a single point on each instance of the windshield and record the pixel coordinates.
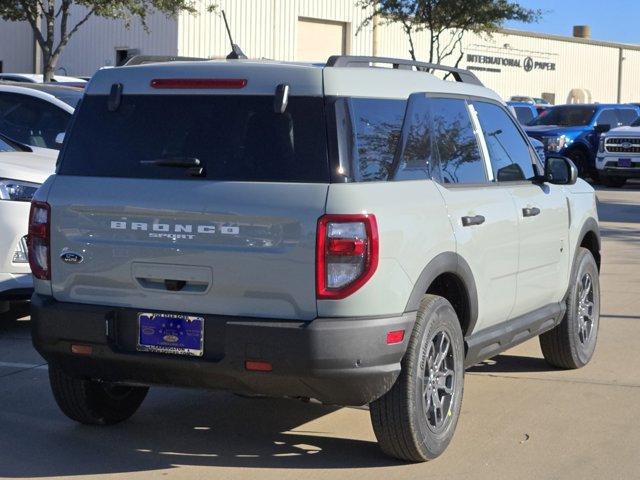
(636, 123)
(234, 138)
(566, 116)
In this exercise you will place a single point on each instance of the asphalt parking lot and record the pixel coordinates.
(520, 419)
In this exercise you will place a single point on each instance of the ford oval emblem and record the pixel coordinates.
(71, 257)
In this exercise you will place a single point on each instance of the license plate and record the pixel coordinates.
(624, 162)
(170, 333)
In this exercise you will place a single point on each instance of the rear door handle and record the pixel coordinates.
(530, 211)
(475, 220)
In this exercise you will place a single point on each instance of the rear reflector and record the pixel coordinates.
(396, 336)
(193, 83)
(82, 349)
(258, 366)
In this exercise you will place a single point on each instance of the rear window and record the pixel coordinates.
(235, 138)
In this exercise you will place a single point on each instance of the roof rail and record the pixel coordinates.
(144, 59)
(348, 61)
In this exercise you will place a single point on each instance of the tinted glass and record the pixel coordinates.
(31, 121)
(416, 151)
(627, 116)
(68, 96)
(377, 124)
(235, 138)
(636, 123)
(524, 115)
(509, 152)
(6, 147)
(566, 116)
(608, 117)
(455, 141)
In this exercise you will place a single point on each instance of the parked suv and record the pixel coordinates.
(354, 235)
(574, 130)
(619, 155)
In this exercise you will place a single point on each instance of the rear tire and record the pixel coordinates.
(416, 419)
(92, 402)
(572, 343)
(614, 182)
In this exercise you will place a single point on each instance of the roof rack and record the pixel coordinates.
(349, 61)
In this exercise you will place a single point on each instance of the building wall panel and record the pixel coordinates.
(16, 47)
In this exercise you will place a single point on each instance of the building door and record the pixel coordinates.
(317, 40)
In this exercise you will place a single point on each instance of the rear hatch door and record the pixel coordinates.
(205, 204)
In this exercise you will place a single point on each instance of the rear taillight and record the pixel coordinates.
(38, 240)
(346, 254)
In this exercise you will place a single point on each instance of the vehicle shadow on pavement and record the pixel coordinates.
(175, 427)
(511, 364)
(13, 322)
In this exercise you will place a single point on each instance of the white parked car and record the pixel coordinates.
(618, 156)
(39, 78)
(37, 115)
(21, 173)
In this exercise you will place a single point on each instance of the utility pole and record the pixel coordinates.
(37, 51)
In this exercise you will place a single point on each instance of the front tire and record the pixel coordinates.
(580, 159)
(572, 343)
(416, 419)
(92, 402)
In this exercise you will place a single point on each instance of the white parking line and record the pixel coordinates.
(41, 366)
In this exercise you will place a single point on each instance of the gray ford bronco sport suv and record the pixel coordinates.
(344, 232)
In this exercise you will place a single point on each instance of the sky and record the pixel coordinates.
(610, 20)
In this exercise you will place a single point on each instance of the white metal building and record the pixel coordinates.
(511, 62)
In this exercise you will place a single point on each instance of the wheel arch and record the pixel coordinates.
(589, 238)
(449, 276)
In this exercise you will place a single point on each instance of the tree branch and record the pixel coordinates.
(65, 39)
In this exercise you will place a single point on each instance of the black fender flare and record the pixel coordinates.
(446, 262)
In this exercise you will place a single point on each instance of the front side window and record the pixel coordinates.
(377, 124)
(508, 151)
(31, 121)
(455, 142)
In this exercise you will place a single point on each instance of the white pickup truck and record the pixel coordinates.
(618, 156)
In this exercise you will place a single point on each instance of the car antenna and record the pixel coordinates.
(236, 51)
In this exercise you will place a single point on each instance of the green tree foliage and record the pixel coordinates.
(53, 25)
(446, 21)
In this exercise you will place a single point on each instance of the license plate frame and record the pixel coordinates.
(624, 163)
(171, 333)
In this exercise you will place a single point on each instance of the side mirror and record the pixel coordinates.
(560, 171)
(60, 138)
(602, 128)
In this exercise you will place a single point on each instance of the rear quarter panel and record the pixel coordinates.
(413, 228)
(583, 209)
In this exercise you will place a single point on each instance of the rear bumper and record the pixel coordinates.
(343, 361)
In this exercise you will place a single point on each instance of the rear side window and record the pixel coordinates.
(235, 138)
(377, 124)
(455, 141)
(608, 117)
(415, 156)
(509, 152)
(524, 115)
(627, 116)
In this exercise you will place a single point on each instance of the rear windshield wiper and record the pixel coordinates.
(191, 163)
